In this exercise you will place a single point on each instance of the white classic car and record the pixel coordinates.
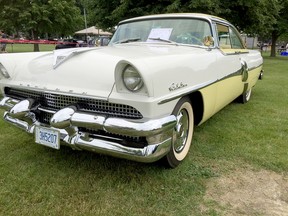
(140, 97)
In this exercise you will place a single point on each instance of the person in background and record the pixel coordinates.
(0, 40)
(3, 44)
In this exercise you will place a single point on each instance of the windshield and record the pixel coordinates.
(182, 31)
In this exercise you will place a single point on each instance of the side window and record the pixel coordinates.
(235, 40)
(224, 36)
(229, 38)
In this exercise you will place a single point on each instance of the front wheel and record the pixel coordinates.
(183, 132)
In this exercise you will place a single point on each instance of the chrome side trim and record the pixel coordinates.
(187, 91)
(203, 85)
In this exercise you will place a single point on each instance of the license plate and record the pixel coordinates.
(47, 137)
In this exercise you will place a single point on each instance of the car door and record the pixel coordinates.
(233, 67)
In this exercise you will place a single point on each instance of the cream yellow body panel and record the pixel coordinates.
(253, 77)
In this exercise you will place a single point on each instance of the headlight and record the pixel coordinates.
(3, 72)
(132, 79)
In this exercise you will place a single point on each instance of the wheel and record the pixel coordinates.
(245, 97)
(261, 75)
(183, 133)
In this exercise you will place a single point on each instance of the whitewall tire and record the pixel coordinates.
(183, 132)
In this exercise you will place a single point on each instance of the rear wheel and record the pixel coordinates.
(261, 75)
(183, 133)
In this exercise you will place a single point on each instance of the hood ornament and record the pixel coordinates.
(59, 56)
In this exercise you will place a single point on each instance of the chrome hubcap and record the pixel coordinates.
(181, 130)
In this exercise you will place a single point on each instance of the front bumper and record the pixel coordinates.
(68, 121)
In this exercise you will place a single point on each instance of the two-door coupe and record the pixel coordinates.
(140, 97)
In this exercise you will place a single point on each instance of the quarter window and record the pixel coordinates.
(235, 40)
(228, 38)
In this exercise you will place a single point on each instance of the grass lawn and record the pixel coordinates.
(36, 180)
(13, 48)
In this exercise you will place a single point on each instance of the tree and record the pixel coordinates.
(40, 16)
(107, 14)
(256, 17)
(280, 27)
(262, 18)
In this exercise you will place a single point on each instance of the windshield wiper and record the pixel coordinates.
(128, 40)
(163, 40)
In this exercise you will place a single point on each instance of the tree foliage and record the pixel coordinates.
(60, 17)
(252, 16)
(256, 17)
(107, 14)
(280, 27)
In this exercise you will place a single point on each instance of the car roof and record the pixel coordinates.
(177, 15)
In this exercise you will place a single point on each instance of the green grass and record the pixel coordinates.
(256, 132)
(13, 48)
(36, 180)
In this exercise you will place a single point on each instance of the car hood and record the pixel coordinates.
(86, 71)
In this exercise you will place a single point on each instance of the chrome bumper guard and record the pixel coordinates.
(158, 132)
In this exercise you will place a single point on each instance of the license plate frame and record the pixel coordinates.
(47, 136)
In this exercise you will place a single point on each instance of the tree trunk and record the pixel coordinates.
(273, 45)
(35, 37)
(36, 47)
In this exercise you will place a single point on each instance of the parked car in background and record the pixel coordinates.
(70, 43)
(140, 97)
(99, 41)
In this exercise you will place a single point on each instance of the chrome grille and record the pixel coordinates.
(56, 102)
(44, 117)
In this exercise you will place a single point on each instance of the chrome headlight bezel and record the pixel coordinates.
(132, 79)
(3, 72)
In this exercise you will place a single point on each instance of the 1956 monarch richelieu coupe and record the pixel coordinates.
(140, 97)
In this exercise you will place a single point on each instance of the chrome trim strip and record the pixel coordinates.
(47, 110)
(188, 90)
(203, 85)
(255, 67)
(57, 91)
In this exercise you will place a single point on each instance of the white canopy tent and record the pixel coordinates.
(93, 31)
